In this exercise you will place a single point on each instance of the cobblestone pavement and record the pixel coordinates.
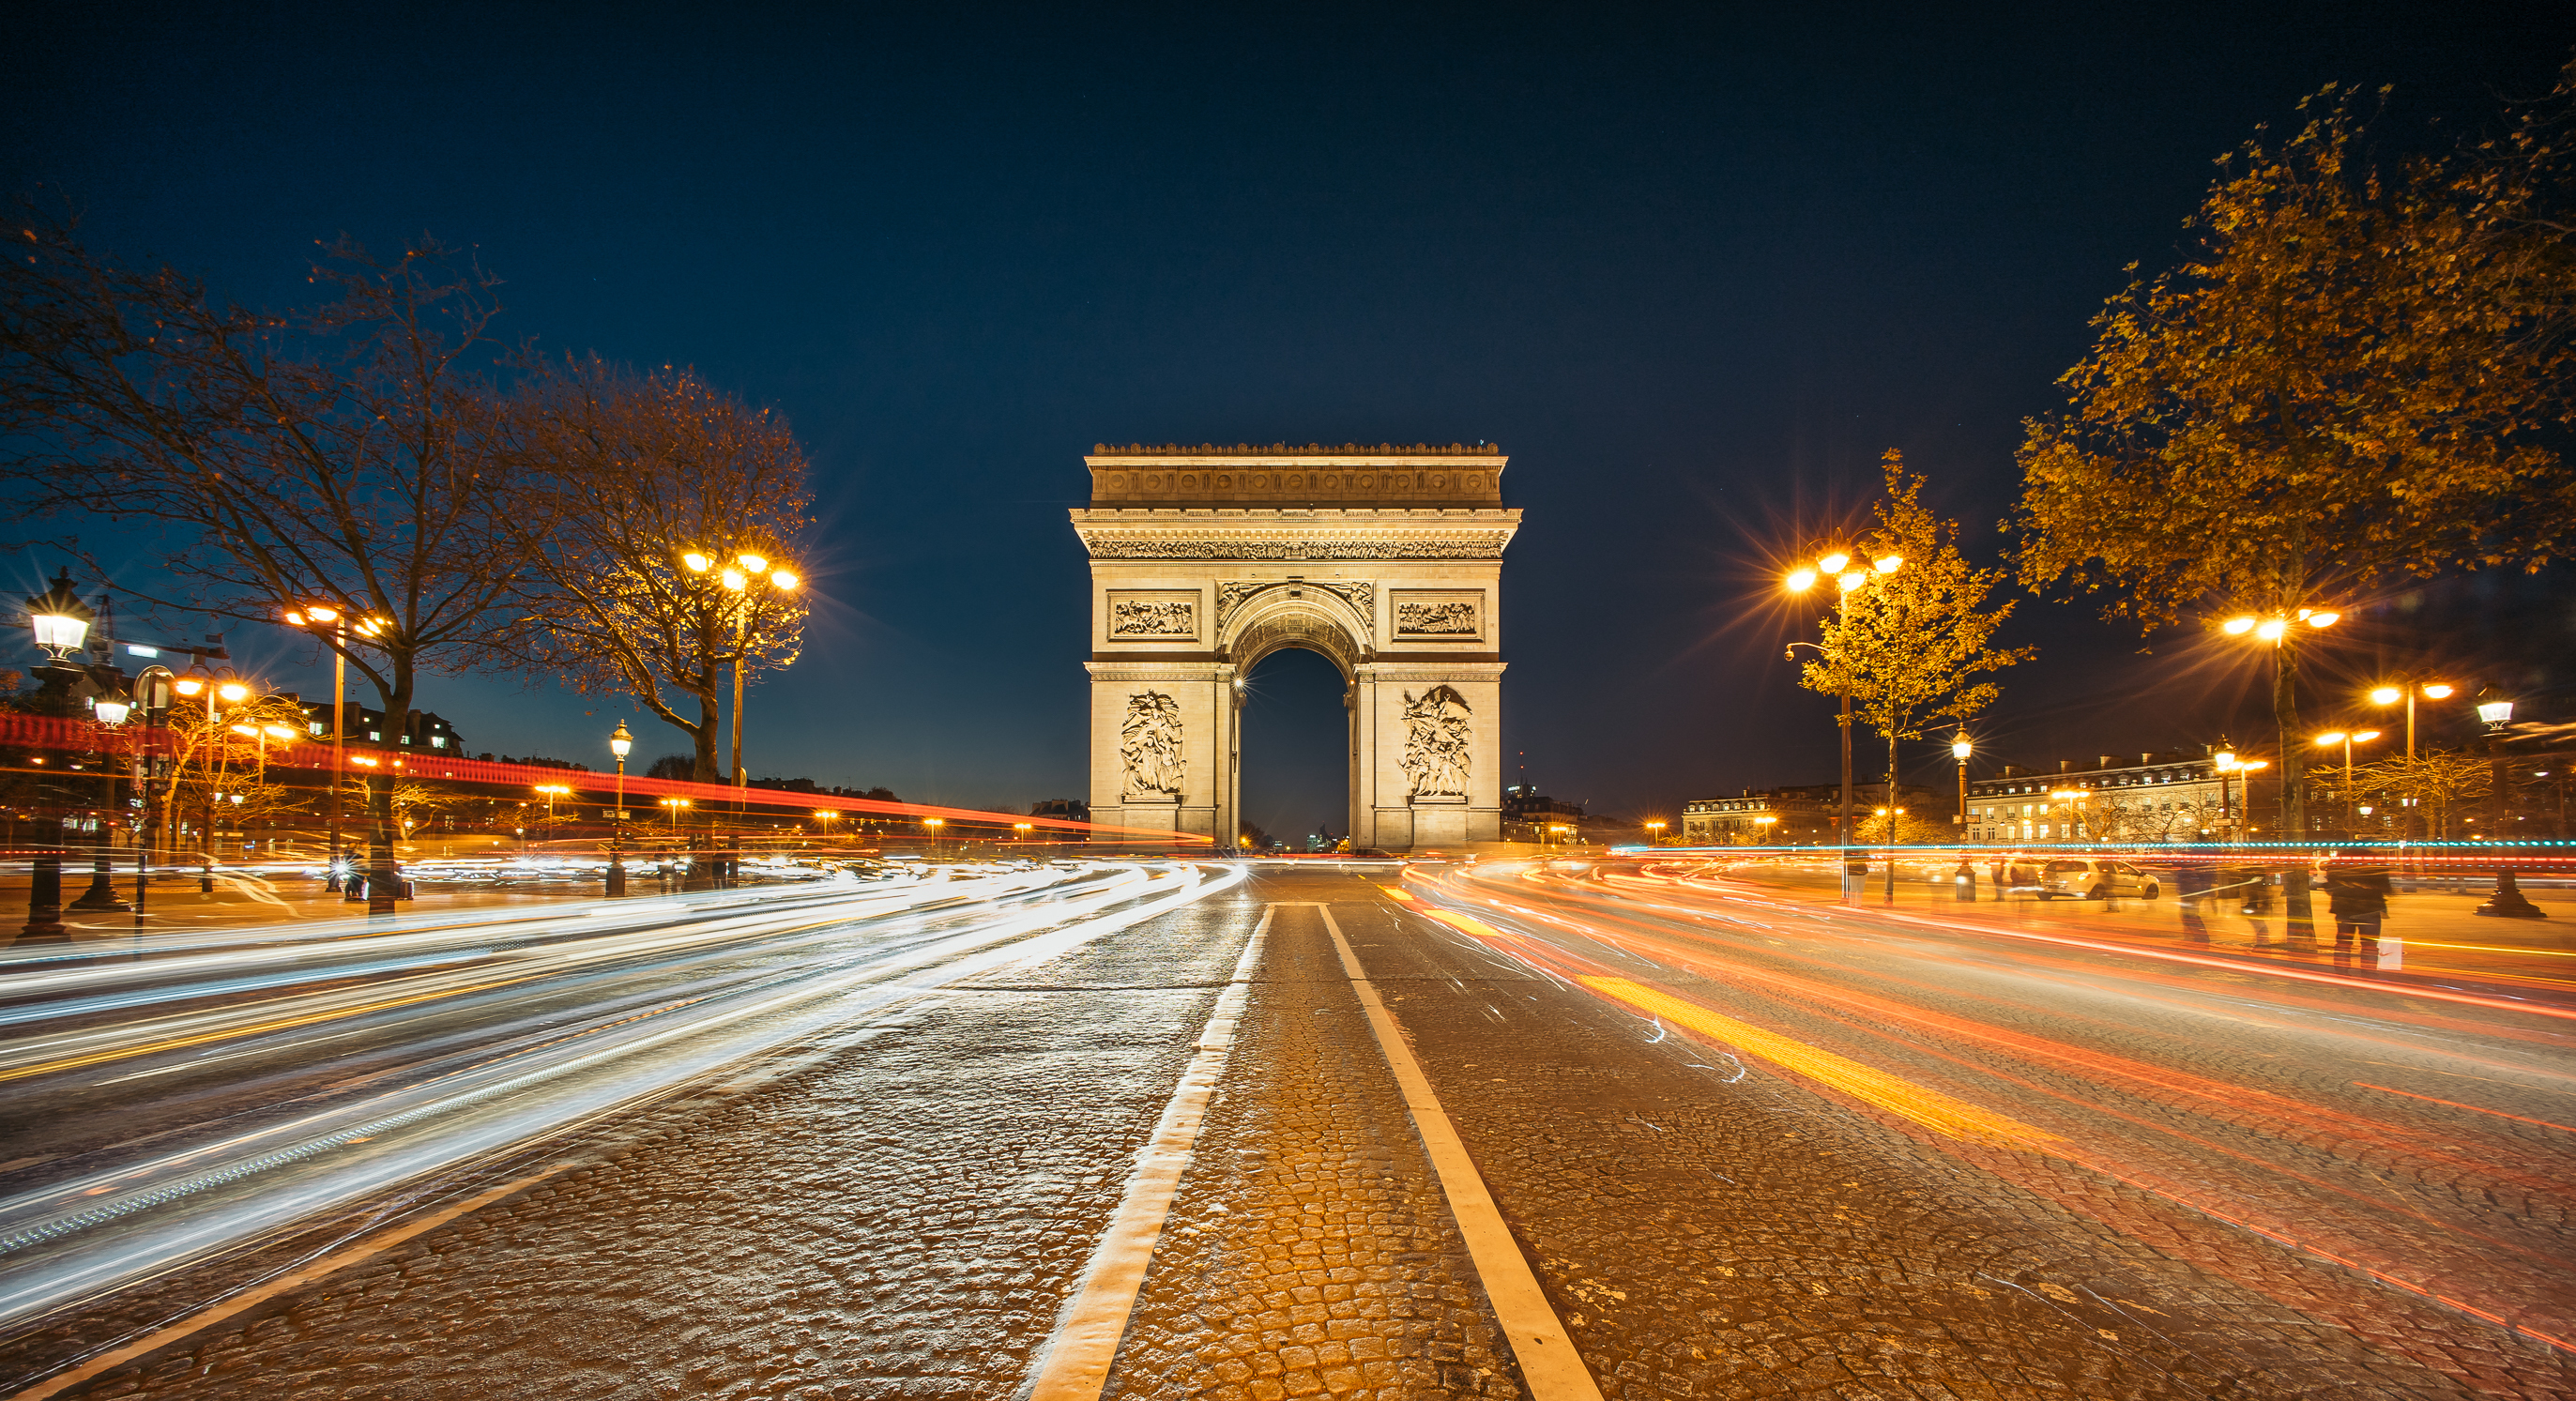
(1723, 1225)
(1310, 1250)
(907, 1216)
(901, 1220)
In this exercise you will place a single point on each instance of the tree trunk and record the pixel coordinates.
(709, 727)
(382, 880)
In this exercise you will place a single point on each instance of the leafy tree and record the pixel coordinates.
(1908, 645)
(2435, 782)
(625, 478)
(1902, 829)
(2355, 375)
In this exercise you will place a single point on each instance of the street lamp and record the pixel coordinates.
(1655, 833)
(552, 792)
(317, 616)
(2347, 739)
(934, 824)
(2506, 902)
(2390, 695)
(619, 744)
(1836, 564)
(61, 621)
(2282, 631)
(1960, 748)
(746, 571)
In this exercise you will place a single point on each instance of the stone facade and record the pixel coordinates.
(1386, 560)
(2160, 798)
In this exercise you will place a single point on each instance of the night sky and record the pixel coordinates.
(1693, 268)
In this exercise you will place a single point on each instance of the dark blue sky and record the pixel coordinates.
(1695, 268)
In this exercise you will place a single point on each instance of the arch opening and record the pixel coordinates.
(1295, 745)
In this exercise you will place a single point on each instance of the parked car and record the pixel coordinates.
(2095, 878)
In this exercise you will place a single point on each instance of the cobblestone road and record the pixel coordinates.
(907, 1216)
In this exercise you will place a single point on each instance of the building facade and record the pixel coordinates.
(422, 729)
(2159, 798)
(1798, 816)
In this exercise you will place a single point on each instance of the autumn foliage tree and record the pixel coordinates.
(1909, 646)
(2359, 372)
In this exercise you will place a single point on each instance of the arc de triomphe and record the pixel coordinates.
(1387, 560)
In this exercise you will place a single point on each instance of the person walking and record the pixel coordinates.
(2357, 895)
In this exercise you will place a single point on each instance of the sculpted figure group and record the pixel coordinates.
(1435, 743)
(1150, 742)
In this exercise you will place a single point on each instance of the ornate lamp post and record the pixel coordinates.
(2506, 902)
(1836, 564)
(1965, 878)
(618, 744)
(110, 710)
(61, 625)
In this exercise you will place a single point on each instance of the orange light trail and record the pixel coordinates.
(1952, 1120)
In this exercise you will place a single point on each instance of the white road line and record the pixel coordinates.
(292, 1280)
(1549, 1363)
(1076, 1363)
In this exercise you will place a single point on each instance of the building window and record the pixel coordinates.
(317, 727)
(438, 741)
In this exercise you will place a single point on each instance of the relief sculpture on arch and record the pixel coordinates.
(1150, 742)
(1437, 740)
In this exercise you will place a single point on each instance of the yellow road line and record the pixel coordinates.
(1930, 1108)
(1550, 1366)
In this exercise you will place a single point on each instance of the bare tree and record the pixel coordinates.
(641, 502)
(341, 455)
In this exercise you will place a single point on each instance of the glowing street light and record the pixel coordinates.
(620, 743)
(1836, 563)
(747, 570)
(1960, 748)
(2281, 630)
(2332, 738)
(61, 621)
(2407, 692)
(1655, 833)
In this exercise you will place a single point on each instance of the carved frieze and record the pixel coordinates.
(1150, 615)
(1460, 544)
(1435, 614)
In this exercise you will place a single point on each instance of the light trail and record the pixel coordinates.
(1941, 1023)
(601, 1012)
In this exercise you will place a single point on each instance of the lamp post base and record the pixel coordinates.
(2507, 901)
(100, 898)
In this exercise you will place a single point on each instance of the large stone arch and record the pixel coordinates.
(1385, 560)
